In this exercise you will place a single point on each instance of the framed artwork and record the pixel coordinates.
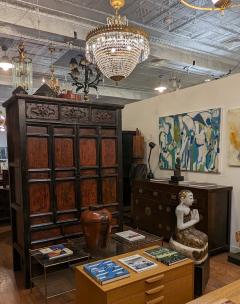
(3, 153)
(194, 138)
(234, 137)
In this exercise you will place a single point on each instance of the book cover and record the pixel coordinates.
(130, 236)
(55, 251)
(138, 263)
(166, 256)
(106, 271)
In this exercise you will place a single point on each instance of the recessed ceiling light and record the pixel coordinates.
(160, 89)
(207, 80)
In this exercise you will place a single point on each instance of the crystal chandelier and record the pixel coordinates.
(2, 121)
(214, 5)
(22, 69)
(117, 48)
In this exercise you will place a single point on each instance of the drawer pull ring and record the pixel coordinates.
(155, 279)
(156, 301)
(155, 290)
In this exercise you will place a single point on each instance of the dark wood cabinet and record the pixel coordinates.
(127, 145)
(63, 157)
(4, 205)
(154, 206)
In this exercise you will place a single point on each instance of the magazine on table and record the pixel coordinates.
(106, 271)
(166, 256)
(138, 263)
(55, 252)
(130, 236)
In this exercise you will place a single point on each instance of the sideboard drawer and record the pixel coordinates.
(125, 292)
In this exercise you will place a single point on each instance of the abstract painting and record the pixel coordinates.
(234, 137)
(194, 138)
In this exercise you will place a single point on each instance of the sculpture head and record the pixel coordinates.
(186, 197)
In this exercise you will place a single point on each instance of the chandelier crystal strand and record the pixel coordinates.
(117, 48)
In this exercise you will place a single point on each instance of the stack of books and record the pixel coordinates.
(106, 271)
(55, 252)
(130, 236)
(166, 256)
(138, 263)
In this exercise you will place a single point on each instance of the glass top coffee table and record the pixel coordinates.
(57, 275)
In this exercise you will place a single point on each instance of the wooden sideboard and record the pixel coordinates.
(154, 203)
(159, 285)
(63, 157)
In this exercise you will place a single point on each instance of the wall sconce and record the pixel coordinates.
(151, 145)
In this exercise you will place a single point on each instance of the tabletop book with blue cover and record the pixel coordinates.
(106, 271)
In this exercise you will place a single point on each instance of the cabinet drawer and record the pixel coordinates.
(125, 292)
(163, 279)
(155, 295)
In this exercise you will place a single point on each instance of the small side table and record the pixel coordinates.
(58, 274)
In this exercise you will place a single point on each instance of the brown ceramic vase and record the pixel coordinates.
(96, 227)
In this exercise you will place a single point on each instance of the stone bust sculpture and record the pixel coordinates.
(186, 238)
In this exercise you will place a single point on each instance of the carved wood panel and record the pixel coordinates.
(89, 192)
(74, 114)
(42, 111)
(65, 195)
(109, 190)
(39, 198)
(103, 116)
(109, 156)
(88, 152)
(64, 152)
(37, 152)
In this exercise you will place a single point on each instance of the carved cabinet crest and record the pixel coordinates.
(74, 114)
(103, 116)
(41, 111)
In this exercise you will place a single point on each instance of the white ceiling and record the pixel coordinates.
(186, 45)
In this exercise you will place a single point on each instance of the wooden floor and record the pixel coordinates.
(12, 291)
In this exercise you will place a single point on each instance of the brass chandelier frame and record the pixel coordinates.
(205, 8)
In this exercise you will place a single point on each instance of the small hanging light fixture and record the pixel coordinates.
(53, 82)
(22, 69)
(5, 62)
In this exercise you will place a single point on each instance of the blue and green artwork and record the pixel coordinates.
(193, 137)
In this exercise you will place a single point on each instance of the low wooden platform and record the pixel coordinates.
(229, 292)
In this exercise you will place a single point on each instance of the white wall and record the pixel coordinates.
(224, 93)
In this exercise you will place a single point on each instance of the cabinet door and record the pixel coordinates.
(64, 174)
(39, 175)
(109, 168)
(88, 151)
